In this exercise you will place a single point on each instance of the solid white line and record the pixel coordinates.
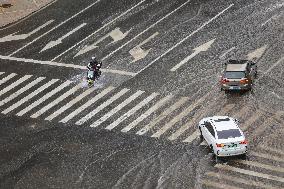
(56, 101)
(159, 104)
(54, 28)
(168, 111)
(131, 112)
(22, 90)
(64, 65)
(248, 172)
(44, 98)
(184, 39)
(117, 108)
(13, 85)
(31, 95)
(101, 107)
(262, 165)
(267, 156)
(146, 30)
(192, 137)
(69, 104)
(87, 104)
(99, 29)
(5, 79)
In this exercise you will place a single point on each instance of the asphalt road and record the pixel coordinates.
(136, 128)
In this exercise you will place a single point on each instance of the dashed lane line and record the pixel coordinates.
(64, 65)
(87, 104)
(54, 28)
(30, 96)
(16, 83)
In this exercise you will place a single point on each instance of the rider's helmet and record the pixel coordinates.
(93, 58)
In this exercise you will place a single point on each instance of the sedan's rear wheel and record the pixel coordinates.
(201, 135)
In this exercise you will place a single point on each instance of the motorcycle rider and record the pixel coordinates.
(95, 65)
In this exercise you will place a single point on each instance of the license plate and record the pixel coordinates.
(235, 88)
(232, 145)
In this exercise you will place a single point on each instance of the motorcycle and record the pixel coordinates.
(92, 75)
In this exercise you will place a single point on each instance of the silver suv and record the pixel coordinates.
(238, 75)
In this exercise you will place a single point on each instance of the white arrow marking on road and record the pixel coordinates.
(197, 50)
(256, 54)
(52, 44)
(115, 34)
(138, 53)
(13, 37)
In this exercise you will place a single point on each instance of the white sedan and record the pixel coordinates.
(223, 135)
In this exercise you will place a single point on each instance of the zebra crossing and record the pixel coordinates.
(136, 112)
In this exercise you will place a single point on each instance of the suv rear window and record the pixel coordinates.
(234, 75)
(232, 133)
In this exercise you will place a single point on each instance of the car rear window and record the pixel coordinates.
(232, 133)
(234, 75)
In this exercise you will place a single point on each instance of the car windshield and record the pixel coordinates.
(234, 75)
(232, 133)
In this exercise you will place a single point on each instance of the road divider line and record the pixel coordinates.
(30, 96)
(159, 104)
(131, 112)
(54, 28)
(101, 107)
(64, 65)
(5, 79)
(69, 104)
(117, 108)
(44, 98)
(87, 104)
(110, 54)
(184, 39)
(121, 15)
(261, 165)
(56, 101)
(248, 172)
(22, 90)
(168, 111)
(15, 84)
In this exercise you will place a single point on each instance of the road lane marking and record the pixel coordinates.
(132, 111)
(256, 54)
(168, 111)
(273, 150)
(184, 39)
(218, 185)
(248, 172)
(2, 73)
(104, 26)
(267, 156)
(69, 104)
(22, 90)
(261, 165)
(64, 65)
(13, 37)
(177, 118)
(224, 111)
(5, 79)
(54, 28)
(138, 53)
(15, 84)
(241, 180)
(273, 66)
(56, 101)
(44, 98)
(242, 112)
(226, 52)
(87, 104)
(117, 108)
(159, 104)
(30, 96)
(192, 137)
(254, 117)
(202, 48)
(52, 44)
(102, 106)
(146, 30)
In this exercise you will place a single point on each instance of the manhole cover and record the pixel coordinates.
(6, 5)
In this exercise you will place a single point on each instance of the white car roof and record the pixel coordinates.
(222, 122)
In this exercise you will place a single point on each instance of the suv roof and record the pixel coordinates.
(222, 122)
(236, 65)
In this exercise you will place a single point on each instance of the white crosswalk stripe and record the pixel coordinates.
(261, 165)
(30, 96)
(101, 107)
(56, 101)
(131, 112)
(167, 112)
(13, 85)
(159, 104)
(192, 137)
(2, 73)
(87, 104)
(20, 91)
(44, 98)
(70, 104)
(5, 79)
(117, 108)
